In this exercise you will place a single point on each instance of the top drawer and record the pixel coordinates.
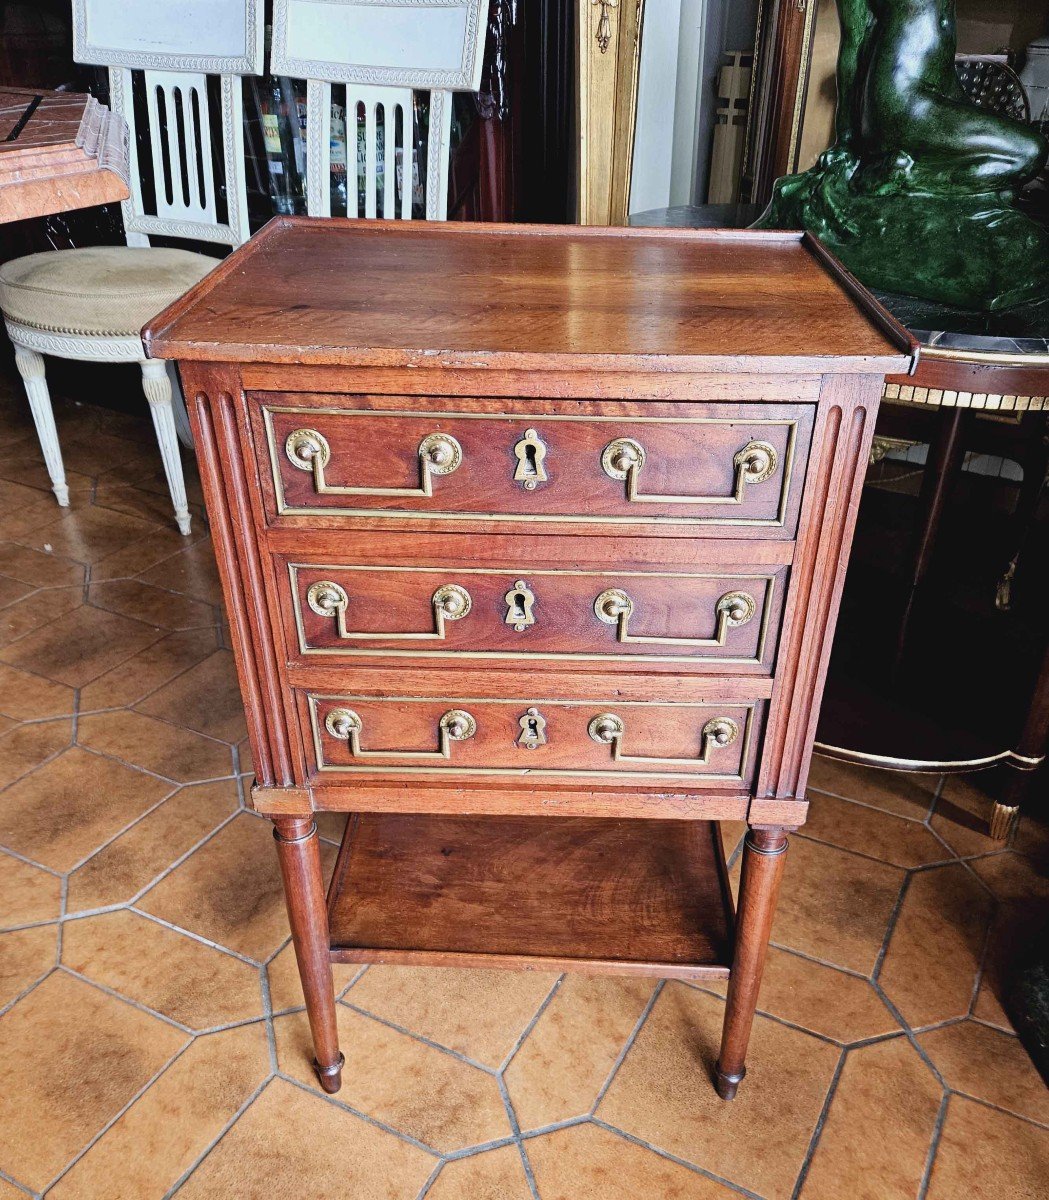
(737, 467)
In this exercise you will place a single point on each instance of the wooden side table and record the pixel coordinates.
(531, 541)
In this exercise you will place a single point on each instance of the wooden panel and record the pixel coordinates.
(522, 615)
(708, 743)
(608, 57)
(217, 36)
(424, 43)
(717, 465)
(583, 385)
(634, 896)
(404, 293)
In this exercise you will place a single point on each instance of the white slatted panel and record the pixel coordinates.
(395, 105)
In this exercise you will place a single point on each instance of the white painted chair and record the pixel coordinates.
(90, 304)
(381, 50)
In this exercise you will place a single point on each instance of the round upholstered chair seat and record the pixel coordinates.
(105, 291)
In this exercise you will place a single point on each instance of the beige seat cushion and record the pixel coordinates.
(106, 290)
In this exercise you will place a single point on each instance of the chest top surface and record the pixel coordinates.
(417, 294)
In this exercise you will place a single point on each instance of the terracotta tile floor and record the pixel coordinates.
(152, 1038)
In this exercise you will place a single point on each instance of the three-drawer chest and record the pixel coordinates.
(531, 541)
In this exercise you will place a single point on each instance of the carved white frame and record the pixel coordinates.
(138, 224)
(464, 77)
(86, 51)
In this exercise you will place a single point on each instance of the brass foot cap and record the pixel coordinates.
(330, 1077)
(728, 1085)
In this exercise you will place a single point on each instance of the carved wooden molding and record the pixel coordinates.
(227, 35)
(271, 728)
(427, 43)
(844, 431)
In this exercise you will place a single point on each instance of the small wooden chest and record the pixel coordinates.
(531, 541)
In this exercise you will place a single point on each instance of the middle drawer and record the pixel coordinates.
(506, 607)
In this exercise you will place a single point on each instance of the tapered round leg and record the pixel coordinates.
(31, 367)
(300, 867)
(763, 856)
(156, 384)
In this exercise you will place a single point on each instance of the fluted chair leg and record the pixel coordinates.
(157, 386)
(31, 368)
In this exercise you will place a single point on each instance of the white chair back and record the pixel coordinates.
(381, 50)
(175, 47)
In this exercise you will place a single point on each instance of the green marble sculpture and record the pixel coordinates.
(917, 194)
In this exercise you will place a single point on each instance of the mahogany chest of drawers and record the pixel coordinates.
(531, 542)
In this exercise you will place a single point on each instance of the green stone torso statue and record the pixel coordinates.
(917, 194)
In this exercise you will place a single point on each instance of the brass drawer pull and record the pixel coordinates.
(308, 450)
(455, 726)
(624, 458)
(449, 603)
(608, 730)
(615, 607)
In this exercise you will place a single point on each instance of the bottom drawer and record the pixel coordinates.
(698, 743)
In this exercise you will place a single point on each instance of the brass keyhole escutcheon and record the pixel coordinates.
(530, 453)
(533, 729)
(519, 603)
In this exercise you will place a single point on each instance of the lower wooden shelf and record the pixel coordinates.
(546, 893)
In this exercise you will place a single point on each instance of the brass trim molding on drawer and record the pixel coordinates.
(452, 601)
(603, 722)
(440, 453)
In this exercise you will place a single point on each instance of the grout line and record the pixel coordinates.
(508, 1104)
(738, 1188)
(143, 1008)
(934, 1146)
(431, 1180)
(998, 1108)
(778, 1020)
(197, 937)
(175, 784)
(883, 862)
(30, 862)
(356, 979)
(14, 1183)
(116, 1117)
(628, 1045)
(526, 1164)
(528, 1135)
(6, 1008)
(821, 1120)
(173, 866)
(222, 1133)
(887, 812)
(820, 962)
(499, 1143)
(544, 1005)
(418, 1037)
(363, 1116)
(909, 1032)
(890, 928)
